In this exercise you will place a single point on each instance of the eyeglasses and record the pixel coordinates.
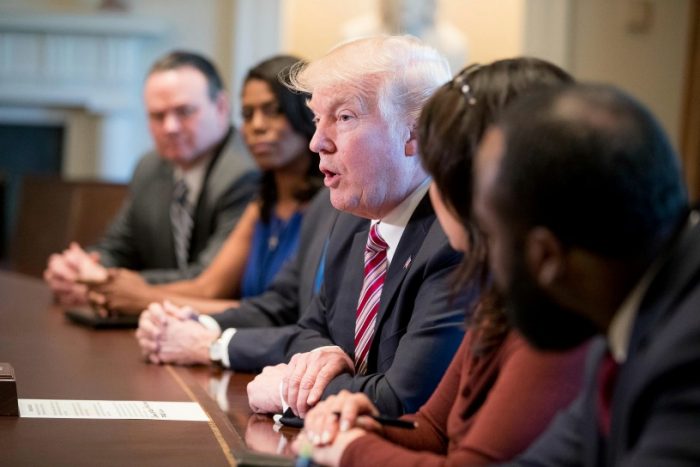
(460, 82)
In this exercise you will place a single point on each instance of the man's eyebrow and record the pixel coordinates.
(341, 99)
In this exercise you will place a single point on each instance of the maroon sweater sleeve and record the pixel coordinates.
(430, 433)
(529, 389)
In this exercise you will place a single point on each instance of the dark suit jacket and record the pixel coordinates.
(265, 320)
(419, 325)
(140, 238)
(656, 400)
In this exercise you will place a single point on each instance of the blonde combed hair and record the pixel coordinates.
(399, 73)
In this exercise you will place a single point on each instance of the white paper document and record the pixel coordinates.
(111, 410)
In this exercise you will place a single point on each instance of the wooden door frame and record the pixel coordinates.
(690, 119)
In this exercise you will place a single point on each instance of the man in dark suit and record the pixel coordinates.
(383, 322)
(199, 157)
(581, 196)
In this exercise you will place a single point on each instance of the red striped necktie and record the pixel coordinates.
(365, 322)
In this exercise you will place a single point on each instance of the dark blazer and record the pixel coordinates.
(656, 400)
(419, 326)
(264, 321)
(140, 238)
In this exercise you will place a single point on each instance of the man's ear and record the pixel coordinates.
(411, 146)
(222, 102)
(544, 256)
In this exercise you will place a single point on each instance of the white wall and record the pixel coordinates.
(493, 28)
(649, 64)
(203, 26)
(588, 37)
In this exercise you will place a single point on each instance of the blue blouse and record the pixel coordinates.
(273, 243)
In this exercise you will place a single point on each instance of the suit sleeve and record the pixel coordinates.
(666, 428)
(670, 437)
(252, 349)
(229, 209)
(117, 248)
(277, 306)
(264, 323)
(312, 331)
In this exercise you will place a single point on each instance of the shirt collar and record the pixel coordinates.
(621, 325)
(193, 177)
(394, 223)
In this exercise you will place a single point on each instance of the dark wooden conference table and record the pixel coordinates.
(56, 359)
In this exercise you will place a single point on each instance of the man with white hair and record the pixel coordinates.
(385, 321)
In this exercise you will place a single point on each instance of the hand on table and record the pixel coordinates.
(329, 455)
(338, 414)
(87, 264)
(65, 270)
(124, 291)
(166, 334)
(309, 373)
(264, 390)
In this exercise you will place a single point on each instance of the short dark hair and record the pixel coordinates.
(591, 164)
(181, 58)
(275, 71)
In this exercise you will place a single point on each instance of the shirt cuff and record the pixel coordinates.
(328, 347)
(209, 323)
(225, 339)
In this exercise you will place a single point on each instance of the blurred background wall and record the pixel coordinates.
(71, 70)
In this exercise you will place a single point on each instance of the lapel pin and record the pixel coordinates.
(407, 264)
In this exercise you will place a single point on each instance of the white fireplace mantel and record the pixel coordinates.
(92, 63)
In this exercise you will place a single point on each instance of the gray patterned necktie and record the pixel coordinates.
(181, 219)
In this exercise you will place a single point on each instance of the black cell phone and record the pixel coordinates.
(87, 317)
(291, 420)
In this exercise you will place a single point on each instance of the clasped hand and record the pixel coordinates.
(166, 334)
(124, 291)
(302, 381)
(67, 274)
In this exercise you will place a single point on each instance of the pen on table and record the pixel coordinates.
(389, 421)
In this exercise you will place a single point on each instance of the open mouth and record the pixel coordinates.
(330, 178)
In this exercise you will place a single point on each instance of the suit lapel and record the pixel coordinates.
(679, 269)
(164, 185)
(209, 193)
(323, 221)
(345, 310)
(411, 241)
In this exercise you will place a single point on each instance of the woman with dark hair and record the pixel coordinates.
(498, 393)
(277, 128)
